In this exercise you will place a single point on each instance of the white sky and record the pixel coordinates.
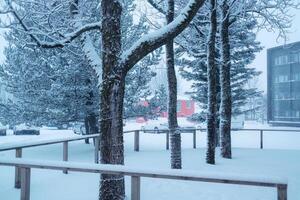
(268, 40)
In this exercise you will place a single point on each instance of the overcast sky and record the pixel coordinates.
(268, 40)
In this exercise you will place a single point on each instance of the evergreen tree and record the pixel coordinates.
(243, 47)
(169, 13)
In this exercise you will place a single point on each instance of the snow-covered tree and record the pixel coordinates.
(212, 84)
(167, 9)
(225, 83)
(47, 89)
(115, 64)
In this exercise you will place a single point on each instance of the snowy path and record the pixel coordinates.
(50, 185)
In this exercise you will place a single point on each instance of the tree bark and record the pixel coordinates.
(212, 92)
(87, 128)
(172, 104)
(226, 101)
(112, 187)
(218, 121)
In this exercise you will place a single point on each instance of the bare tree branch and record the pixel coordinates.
(55, 43)
(154, 40)
(157, 7)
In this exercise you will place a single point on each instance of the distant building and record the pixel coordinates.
(284, 85)
(185, 108)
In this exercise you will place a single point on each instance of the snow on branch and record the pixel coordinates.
(154, 40)
(92, 55)
(272, 15)
(55, 43)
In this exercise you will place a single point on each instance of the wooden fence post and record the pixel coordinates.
(18, 170)
(65, 154)
(194, 139)
(97, 143)
(167, 139)
(282, 192)
(136, 140)
(261, 139)
(25, 183)
(135, 188)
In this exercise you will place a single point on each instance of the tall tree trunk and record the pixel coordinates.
(218, 121)
(93, 125)
(212, 92)
(90, 123)
(226, 102)
(87, 128)
(112, 187)
(91, 119)
(172, 105)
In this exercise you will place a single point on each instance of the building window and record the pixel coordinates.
(281, 60)
(296, 77)
(294, 58)
(281, 78)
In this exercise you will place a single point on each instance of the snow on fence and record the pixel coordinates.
(18, 147)
(136, 174)
(194, 132)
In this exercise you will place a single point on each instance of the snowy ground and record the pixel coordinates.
(280, 158)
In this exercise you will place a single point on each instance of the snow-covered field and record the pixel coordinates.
(280, 158)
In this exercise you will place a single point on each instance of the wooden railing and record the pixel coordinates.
(18, 147)
(194, 132)
(27, 165)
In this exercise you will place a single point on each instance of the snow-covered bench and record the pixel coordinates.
(137, 174)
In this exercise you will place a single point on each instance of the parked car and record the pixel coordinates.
(2, 132)
(155, 128)
(162, 127)
(23, 129)
(78, 128)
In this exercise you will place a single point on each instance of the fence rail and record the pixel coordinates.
(136, 174)
(18, 147)
(46, 142)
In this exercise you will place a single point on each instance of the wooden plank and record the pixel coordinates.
(47, 142)
(136, 140)
(42, 143)
(282, 192)
(65, 155)
(18, 170)
(261, 139)
(25, 183)
(135, 188)
(122, 170)
(97, 144)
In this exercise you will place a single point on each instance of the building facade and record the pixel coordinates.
(185, 108)
(284, 85)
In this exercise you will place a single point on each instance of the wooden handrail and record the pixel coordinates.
(46, 142)
(136, 174)
(234, 129)
(76, 138)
